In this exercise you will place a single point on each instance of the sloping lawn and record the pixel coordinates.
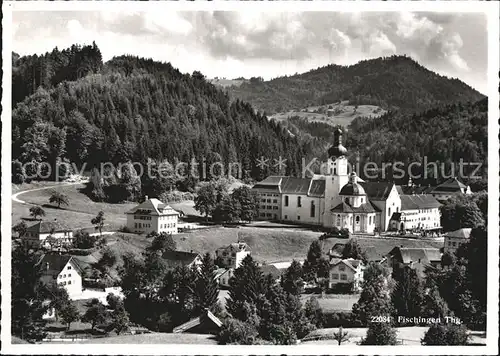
(156, 338)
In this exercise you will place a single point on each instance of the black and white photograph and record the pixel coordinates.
(253, 178)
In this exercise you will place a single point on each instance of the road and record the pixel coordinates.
(16, 195)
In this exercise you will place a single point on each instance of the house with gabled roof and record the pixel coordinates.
(231, 256)
(414, 257)
(62, 270)
(449, 188)
(454, 239)
(37, 233)
(205, 323)
(152, 215)
(418, 212)
(181, 259)
(346, 271)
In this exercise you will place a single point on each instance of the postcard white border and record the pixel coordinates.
(491, 9)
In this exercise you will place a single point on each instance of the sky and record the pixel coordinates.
(267, 44)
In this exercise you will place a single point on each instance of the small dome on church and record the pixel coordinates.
(353, 187)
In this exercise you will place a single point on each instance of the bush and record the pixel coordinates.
(125, 229)
(113, 301)
(446, 334)
(338, 319)
(236, 332)
(83, 240)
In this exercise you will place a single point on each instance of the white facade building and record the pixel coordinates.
(232, 255)
(346, 271)
(152, 215)
(62, 270)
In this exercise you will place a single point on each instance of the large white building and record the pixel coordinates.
(338, 198)
(152, 215)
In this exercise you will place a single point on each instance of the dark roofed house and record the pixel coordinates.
(206, 323)
(63, 270)
(377, 190)
(181, 259)
(450, 187)
(415, 257)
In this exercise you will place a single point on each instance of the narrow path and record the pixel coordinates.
(16, 195)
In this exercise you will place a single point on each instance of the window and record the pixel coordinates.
(286, 200)
(268, 200)
(361, 200)
(370, 220)
(342, 268)
(343, 277)
(313, 210)
(275, 201)
(298, 217)
(69, 282)
(286, 217)
(357, 219)
(338, 219)
(69, 275)
(389, 212)
(335, 276)
(299, 202)
(60, 276)
(346, 200)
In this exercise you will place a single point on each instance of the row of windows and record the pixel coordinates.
(454, 244)
(140, 217)
(139, 225)
(167, 217)
(371, 220)
(269, 207)
(64, 276)
(269, 195)
(64, 283)
(275, 201)
(268, 215)
(343, 276)
(166, 226)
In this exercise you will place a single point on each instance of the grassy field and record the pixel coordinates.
(344, 116)
(156, 338)
(333, 302)
(267, 244)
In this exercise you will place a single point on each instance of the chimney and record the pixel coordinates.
(146, 198)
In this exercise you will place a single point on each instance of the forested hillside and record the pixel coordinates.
(135, 109)
(444, 134)
(396, 81)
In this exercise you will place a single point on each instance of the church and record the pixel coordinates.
(336, 199)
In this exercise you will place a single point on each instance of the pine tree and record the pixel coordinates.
(380, 334)
(407, 296)
(206, 289)
(245, 287)
(291, 281)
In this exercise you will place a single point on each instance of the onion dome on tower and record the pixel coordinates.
(337, 150)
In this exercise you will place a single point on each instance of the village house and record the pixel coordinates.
(346, 271)
(415, 258)
(418, 212)
(232, 255)
(449, 188)
(206, 323)
(223, 275)
(152, 216)
(271, 270)
(62, 270)
(454, 239)
(36, 234)
(175, 259)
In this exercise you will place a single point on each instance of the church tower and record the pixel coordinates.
(336, 177)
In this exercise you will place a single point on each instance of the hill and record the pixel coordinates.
(445, 135)
(389, 82)
(134, 109)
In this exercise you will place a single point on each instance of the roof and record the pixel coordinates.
(377, 190)
(47, 227)
(346, 208)
(423, 201)
(463, 233)
(349, 262)
(450, 185)
(317, 188)
(53, 263)
(396, 216)
(219, 272)
(206, 316)
(416, 254)
(235, 246)
(352, 189)
(292, 185)
(272, 270)
(414, 189)
(179, 258)
(372, 254)
(336, 250)
(153, 206)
